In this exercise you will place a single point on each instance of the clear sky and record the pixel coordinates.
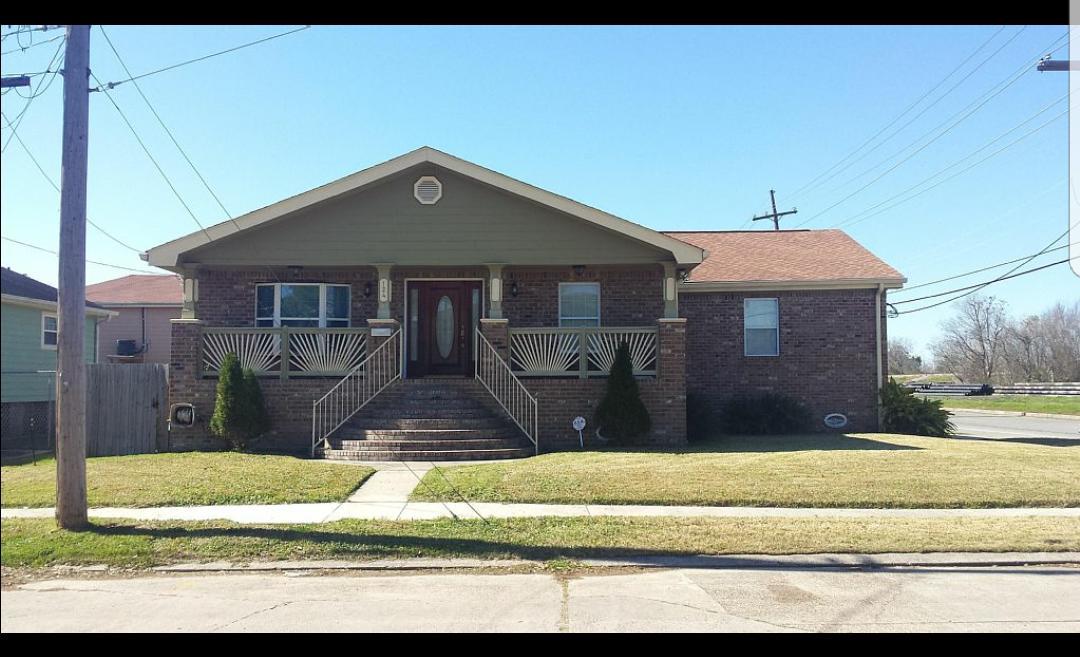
(674, 128)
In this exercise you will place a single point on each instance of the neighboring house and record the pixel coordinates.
(28, 354)
(141, 331)
(437, 270)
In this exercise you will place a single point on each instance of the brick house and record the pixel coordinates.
(428, 307)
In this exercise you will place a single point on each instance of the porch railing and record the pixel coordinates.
(370, 377)
(494, 374)
(285, 351)
(581, 352)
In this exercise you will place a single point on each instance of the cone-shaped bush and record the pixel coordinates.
(254, 419)
(621, 415)
(226, 421)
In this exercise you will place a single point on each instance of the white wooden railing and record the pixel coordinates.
(285, 351)
(581, 352)
(495, 375)
(370, 377)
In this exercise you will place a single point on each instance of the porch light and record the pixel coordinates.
(579, 270)
(367, 289)
(513, 289)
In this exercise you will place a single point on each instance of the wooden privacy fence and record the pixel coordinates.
(126, 408)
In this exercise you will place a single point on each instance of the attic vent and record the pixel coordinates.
(428, 190)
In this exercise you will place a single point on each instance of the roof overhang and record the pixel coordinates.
(837, 284)
(169, 255)
(42, 304)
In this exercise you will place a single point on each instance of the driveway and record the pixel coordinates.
(1017, 428)
(949, 599)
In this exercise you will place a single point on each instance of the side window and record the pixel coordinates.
(48, 331)
(761, 327)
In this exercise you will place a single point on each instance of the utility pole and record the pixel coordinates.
(775, 216)
(71, 302)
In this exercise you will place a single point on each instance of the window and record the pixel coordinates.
(761, 327)
(48, 331)
(302, 304)
(579, 304)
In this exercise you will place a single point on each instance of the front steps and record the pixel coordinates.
(429, 420)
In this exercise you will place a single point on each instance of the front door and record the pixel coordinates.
(442, 316)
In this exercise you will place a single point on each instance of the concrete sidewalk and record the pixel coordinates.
(397, 510)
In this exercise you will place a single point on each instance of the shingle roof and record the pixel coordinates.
(21, 285)
(785, 255)
(138, 289)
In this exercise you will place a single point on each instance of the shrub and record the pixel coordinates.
(621, 415)
(903, 412)
(239, 412)
(768, 413)
(701, 420)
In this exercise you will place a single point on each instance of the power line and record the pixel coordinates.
(153, 160)
(978, 103)
(57, 187)
(167, 131)
(972, 272)
(34, 94)
(32, 45)
(810, 185)
(93, 262)
(855, 219)
(112, 85)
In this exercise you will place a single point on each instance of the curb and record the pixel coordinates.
(979, 411)
(721, 562)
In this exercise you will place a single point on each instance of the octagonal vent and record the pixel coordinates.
(428, 190)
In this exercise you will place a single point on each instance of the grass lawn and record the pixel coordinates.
(817, 470)
(37, 542)
(187, 478)
(1026, 403)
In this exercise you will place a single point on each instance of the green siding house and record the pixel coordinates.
(28, 351)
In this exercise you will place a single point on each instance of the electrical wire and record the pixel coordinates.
(908, 288)
(34, 94)
(93, 262)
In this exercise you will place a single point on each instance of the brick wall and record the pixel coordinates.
(629, 295)
(827, 350)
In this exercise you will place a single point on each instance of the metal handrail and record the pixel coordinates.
(495, 375)
(379, 369)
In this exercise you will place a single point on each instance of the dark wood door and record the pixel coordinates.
(444, 319)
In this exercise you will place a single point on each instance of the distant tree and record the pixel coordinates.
(902, 357)
(973, 343)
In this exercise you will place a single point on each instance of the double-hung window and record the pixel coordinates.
(302, 304)
(48, 331)
(761, 327)
(579, 304)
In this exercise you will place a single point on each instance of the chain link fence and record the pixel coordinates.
(28, 428)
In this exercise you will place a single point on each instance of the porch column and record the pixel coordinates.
(495, 289)
(671, 291)
(380, 331)
(191, 297)
(385, 289)
(497, 332)
(669, 420)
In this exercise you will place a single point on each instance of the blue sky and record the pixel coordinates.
(675, 128)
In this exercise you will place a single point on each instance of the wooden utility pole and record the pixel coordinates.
(775, 216)
(70, 362)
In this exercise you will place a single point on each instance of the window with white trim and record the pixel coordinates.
(49, 331)
(761, 327)
(579, 304)
(323, 305)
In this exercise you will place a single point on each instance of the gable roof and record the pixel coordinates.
(138, 290)
(168, 255)
(16, 287)
(785, 258)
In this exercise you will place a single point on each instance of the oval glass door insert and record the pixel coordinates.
(444, 326)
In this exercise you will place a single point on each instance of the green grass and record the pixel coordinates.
(924, 378)
(1027, 403)
(37, 542)
(817, 470)
(187, 478)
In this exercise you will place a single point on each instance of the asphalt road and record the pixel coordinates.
(950, 599)
(1017, 428)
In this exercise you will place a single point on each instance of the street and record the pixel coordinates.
(1042, 430)
(965, 599)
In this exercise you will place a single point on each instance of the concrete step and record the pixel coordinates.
(424, 455)
(426, 445)
(426, 423)
(426, 434)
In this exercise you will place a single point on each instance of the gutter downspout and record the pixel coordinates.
(878, 354)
